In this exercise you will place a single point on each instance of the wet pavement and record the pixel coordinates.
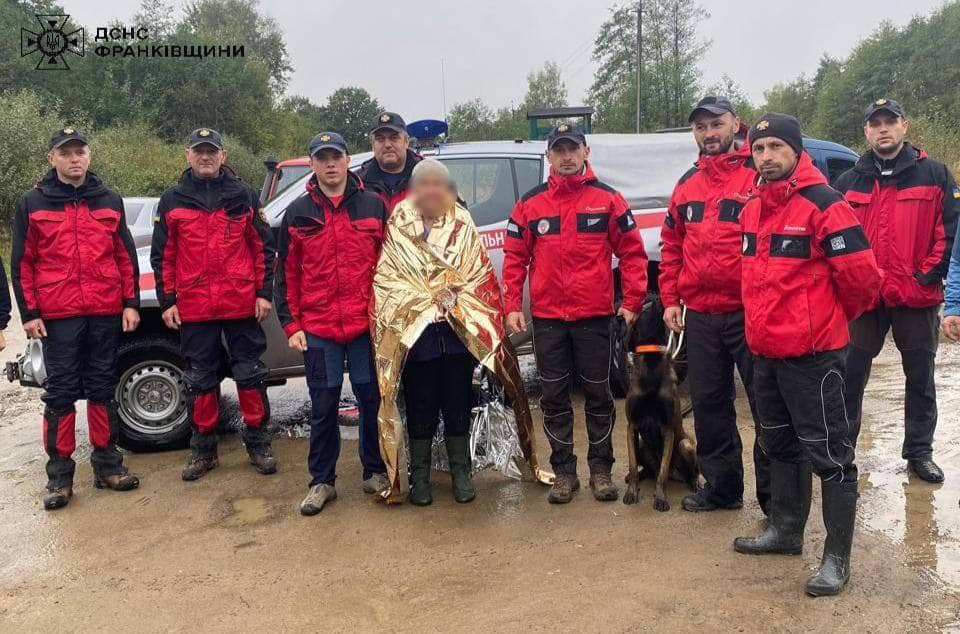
(231, 550)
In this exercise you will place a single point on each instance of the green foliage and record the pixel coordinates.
(350, 111)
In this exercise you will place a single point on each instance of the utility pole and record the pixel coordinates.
(639, 59)
(443, 89)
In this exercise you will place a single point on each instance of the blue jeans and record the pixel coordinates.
(324, 361)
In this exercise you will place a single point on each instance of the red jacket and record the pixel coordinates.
(567, 230)
(327, 257)
(212, 251)
(807, 266)
(701, 235)
(375, 180)
(908, 208)
(72, 251)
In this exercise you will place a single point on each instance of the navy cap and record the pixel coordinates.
(566, 131)
(65, 135)
(883, 105)
(715, 105)
(326, 140)
(205, 135)
(389, 121)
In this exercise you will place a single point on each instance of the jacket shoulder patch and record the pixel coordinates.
(539, 189)
(822, 196)
(602, 185)
(686, 176)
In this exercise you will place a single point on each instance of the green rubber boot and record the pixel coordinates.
(420, 454)
(458, 454)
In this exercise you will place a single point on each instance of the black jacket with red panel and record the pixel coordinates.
(375, 180)
(701, 235)
(807, 266)
(5, 306)
(73, 254)
(327, 257)
(212, 251)
(566, 231)
(908, 207)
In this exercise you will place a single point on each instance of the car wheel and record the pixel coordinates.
(619, 366)
(150, 394)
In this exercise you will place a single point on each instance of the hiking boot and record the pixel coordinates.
(839, 516)
(458, 455)
(198, 467)
(702, 501)
(420, 455)
(564, 486)
(262, 459)
(317, 497)
(122, 481)
(926, 470)
(790, 486)
(57, 498)
(603, 487)
(376, 483)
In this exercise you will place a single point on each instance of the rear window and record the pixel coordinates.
(290, 175)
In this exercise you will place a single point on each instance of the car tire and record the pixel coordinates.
(619, 365)
(150, 394)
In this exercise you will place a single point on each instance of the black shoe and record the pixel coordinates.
(926, 470)
(57, 498)
(790, 489)
(262, 460)
(198, 467)
(420, 457)
(458, 456)
(703, 501)
(839, 516)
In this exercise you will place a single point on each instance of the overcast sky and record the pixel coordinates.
(394, 49)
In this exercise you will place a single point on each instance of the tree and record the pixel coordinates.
(349, 111)
(471, 121)
(545, 88)
(729, 88)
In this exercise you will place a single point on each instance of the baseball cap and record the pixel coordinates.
(565, 131)
(205, 135)
(390, 121)
(326, 140)
(883, 105)
(65, 135)
(714, 105)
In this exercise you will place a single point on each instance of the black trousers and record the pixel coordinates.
(80, 356)
(915, 332)
(715, 345)
(444, 384)
(202, 348)
(802, 415)
(565, 349)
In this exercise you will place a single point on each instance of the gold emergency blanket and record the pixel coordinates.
(414, 275)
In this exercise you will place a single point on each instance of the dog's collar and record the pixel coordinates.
(650, 348)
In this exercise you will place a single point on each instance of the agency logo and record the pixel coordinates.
(54, 39)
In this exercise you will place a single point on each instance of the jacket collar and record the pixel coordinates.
(873, 166)
(354, 187)
(719, 166)
(567, 184)
(210, 193)
(55, 189)
(777, 193)
(371, 173)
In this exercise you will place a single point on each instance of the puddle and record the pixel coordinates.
(248, 511)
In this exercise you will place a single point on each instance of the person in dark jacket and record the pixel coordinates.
(700, 266)
(807, 272)
(212, 258)
(387, 174)
(76, 280)
(908, 205)
(566, 232)
(329, 244)
(5, 306)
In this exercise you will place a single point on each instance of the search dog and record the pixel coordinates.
(658, 446)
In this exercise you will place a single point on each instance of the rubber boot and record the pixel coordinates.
(458, 455)
(420, 454)
(790, 486)
(839, 515)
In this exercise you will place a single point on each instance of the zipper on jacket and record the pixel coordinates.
(813, 342)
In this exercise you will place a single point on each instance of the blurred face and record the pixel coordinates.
(330, 166)
(390, 149)
(432, 194)
(567, 158)
(71, 160)
(205, 160)
(774, 159)
(715, 133)
(885, 133)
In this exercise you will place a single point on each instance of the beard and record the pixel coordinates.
(726, 142)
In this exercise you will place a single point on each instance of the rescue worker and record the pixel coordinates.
(387, 174)
(328, 249)
(807, 271)
(566, 231)
(212, 258)
(700, 268)
(951, 308)
(5, 306)
(908, 205)
(76, 280)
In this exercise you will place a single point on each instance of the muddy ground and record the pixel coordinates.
(231, 552)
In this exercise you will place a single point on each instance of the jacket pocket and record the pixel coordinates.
(106, 219)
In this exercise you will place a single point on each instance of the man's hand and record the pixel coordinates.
(628, 316)
(35, 329)
(951, 328)
(673, 318)
(171, 317)
(262, 309)
(3, 341)
(516, 323)
(298, 341)
(131, 319)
